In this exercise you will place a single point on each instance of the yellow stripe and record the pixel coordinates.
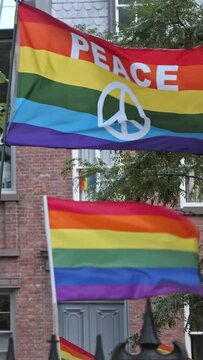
(107, 239)
(81, 73)
(162, 351)
(68, 356)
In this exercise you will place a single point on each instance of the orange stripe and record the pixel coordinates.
(147, 223)
(190, 77)
(75, 353)
(46, 37)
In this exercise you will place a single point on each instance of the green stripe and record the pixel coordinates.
(123, 258)
(36, 88)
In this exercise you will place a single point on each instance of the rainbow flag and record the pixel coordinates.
(121, 250)
(70, 351)
(87, 182)
(76, 90)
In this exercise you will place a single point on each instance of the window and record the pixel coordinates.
(43, 5)
(7, 12)
(196, 333)
(194, 339)
(79, 192)
(122, 12)
(6, 321)
(192, 192)
(9, 164)
(192, 197)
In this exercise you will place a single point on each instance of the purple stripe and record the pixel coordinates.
(29, 135)
(120, 292)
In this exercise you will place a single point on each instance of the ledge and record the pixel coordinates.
(9, 252)
(9, 283)
(9, 197)
(192, 210)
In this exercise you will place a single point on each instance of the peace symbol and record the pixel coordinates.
(120, 116)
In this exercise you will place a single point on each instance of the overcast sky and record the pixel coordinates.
(7, 10)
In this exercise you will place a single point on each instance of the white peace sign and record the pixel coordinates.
(120, 116)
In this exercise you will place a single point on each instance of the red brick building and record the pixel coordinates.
(24, 275)
(25, 293)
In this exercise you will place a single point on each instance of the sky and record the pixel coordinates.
(7, 10)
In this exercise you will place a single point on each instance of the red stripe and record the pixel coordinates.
(111, 207)
(149, 56)
(46, 37)
(29, 13)
(118, 208)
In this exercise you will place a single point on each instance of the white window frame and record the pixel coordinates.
(12, 330)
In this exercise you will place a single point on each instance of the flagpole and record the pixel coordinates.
(51, 268)
(3, 136)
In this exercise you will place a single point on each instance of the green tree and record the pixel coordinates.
(164, 24)
(157, 177)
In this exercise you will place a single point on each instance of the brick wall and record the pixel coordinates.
(38, 173)
(136, 310)
(22, 224)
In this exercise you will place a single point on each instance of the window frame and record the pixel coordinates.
(12, 331)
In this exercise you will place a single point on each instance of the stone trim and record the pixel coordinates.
(9, 197)
(192, 210)
(9, 252)
(9, 283)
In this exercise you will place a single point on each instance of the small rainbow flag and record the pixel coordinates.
(121, 250)
(75, 90)
(165, 349)
(85, 183)
(70, 351)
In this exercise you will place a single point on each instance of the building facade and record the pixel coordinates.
(29, 173)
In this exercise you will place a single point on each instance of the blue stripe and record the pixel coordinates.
(151, 276)
(68, 121)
